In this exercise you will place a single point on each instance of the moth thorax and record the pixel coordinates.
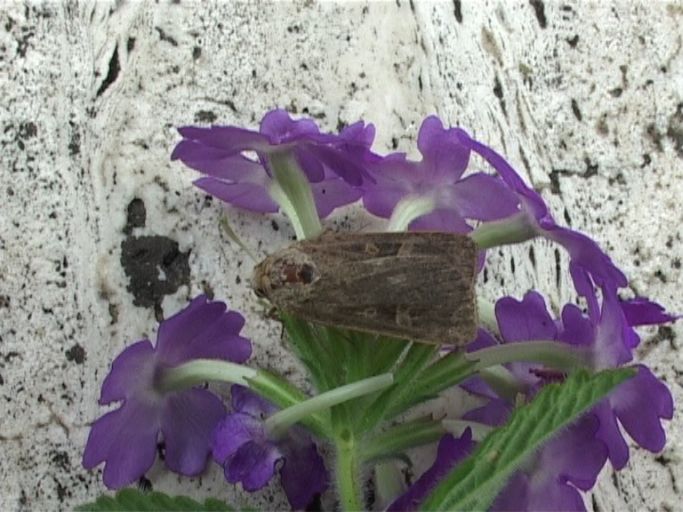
(285, 269)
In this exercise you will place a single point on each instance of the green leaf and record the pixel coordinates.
(473, 484)
(134, 500)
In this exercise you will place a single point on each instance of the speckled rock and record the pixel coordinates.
(584, 99)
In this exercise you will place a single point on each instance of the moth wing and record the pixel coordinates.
(408, 285)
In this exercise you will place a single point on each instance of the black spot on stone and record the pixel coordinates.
(112, 73)
(274, 225)
(27, 130)
(74, 141)
(155, 267)
(572, 42)
(196, 52)
(539, 10)
(130, 44)
(591, 168)
(137, 215)
(204, 116)
(675, 130)
(457, 10)
(165, 37)
(576, 110)
(394, 143)
(76, 354)
(616, 92)
(498, 91)
(4, 301)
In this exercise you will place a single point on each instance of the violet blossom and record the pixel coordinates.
(125, 439)
(259, 170)
(432, 194)
(450, 452)
(249, 454)
(535, 219)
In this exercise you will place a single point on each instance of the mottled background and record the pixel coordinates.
(100, 234)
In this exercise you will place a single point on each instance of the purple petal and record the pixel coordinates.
(303, 474)
(340, 163)
(233, 431)
(441, 220)
(443, 155)
(253, 465)
(609, 433)
(359, 133)
(614, 338)
(525, 320)
(451, 450)
(187, 422)
(586, 253)
(514, 496)
(228, 138)
(215, 163)
(576, 455)
(640, 403)
(218, 340)
(556, 497)
(494, 413)
(135, 363)
(483, 197)
(577, 329)
(180, 329)
(246, 401)
(333, 193)
(126, 441)
(249, 196)
(280, 128)
(309, 164)
(641, 311)
(380, 200)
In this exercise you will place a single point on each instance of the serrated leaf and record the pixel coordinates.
(474, 484)
(129, 500)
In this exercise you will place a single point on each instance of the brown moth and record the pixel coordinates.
(417, 286)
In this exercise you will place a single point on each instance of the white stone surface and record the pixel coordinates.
(584, 98)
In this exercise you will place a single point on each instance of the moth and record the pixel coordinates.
(416, 285)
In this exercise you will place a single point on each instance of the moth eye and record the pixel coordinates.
(306, 274)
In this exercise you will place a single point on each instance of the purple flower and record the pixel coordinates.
(450, 452)
(437, 180)
(126, 439)
(608, 338)
(248, 455)
(535, 219)
(333, 164)
(551, 480)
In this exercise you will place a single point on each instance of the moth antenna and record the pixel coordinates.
(225, 227)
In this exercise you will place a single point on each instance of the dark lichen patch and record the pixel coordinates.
(675, 130)
(576, 111)
(76, 354)
(205, 116)
(112, 72)
(498, 91)
(155, 267)
(573, 41)
(457, 11)
(137, 215)
(539, 11)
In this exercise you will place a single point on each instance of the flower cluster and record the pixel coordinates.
(291, 166)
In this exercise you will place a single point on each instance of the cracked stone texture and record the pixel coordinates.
(584, 99)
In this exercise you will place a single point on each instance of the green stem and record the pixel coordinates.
(348, 473)
(552, 353)
(511, 230)
(284, 419)
(291, 190)
(199, 371)
(407, 210)
(402, 437)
